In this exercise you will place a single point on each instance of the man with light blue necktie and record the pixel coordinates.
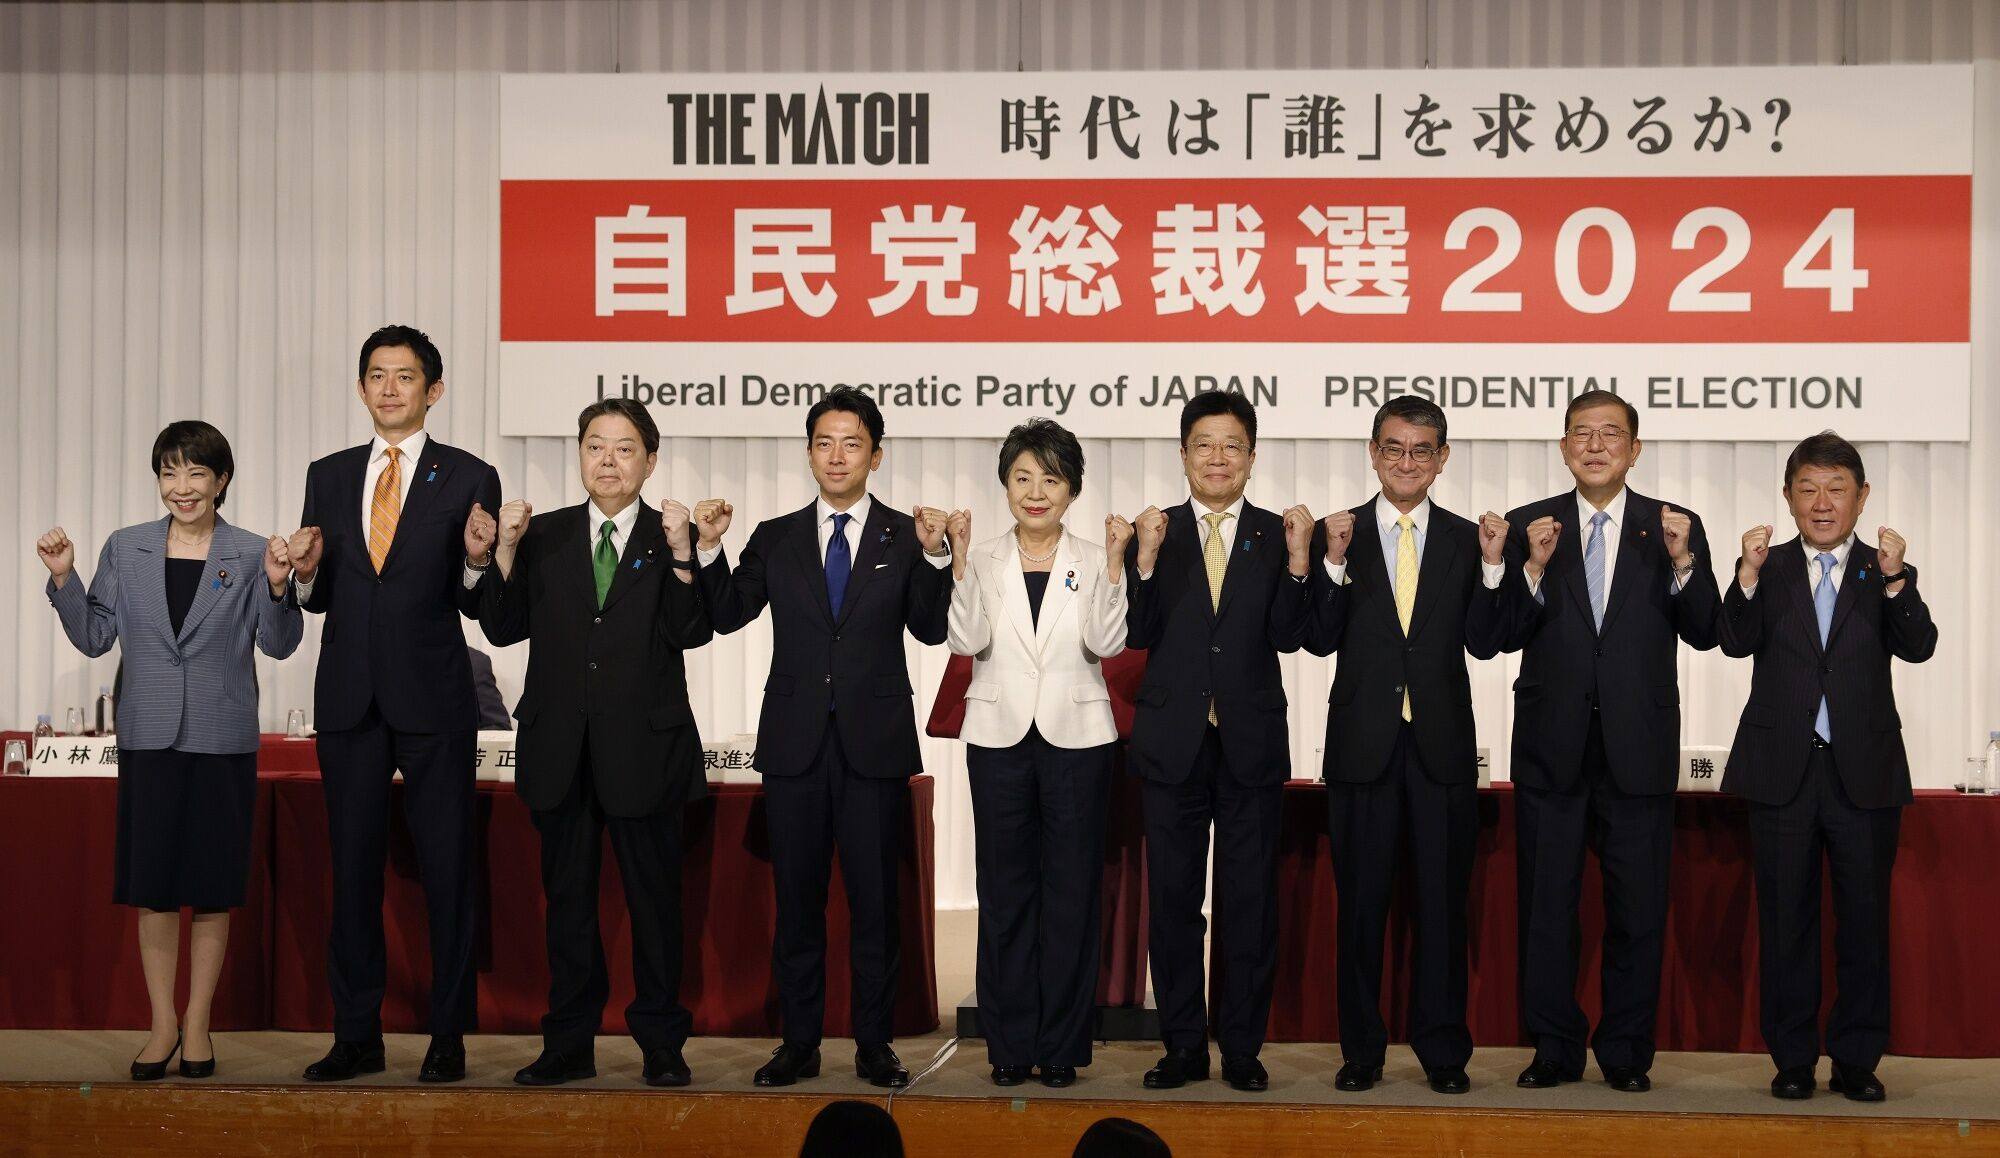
(1819, 756)
(1601, 584)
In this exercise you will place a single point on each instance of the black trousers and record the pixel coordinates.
(649, 863)
(1367, 823)
(1038, 819)
(808, 816)
(1788, 842)
(356, 767)
(1246, 820)
(1633, 838)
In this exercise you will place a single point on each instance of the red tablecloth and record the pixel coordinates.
(1944, 943)
(71, 955)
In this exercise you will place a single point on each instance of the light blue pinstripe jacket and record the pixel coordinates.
(196, 692)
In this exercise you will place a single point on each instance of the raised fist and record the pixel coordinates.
(1151, 526)
(1298, 531)
(930, 527)
(1675, 527)
(478, 533)
(305, 547)
(1117, 536)
(1542, 536)
(57, 553)
(1756, 548)
(674, 520)
(1889, 551)
(277, 563)
(1492, 536)
(959, 528)
(711, 520)
(1339, 534)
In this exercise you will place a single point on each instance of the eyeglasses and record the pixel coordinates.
(1230, 450)
(1608, 435)
(1421, 455)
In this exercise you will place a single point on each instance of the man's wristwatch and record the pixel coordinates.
(479, 566)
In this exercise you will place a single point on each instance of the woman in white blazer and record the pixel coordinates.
(1038, 609)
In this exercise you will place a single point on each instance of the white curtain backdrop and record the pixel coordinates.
(205, 207)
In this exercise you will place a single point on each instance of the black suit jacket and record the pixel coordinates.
(1454, 613)
(848, 669)
(493, 716)
(1196, 651)
(611, 676)
(1780, 628)
(394, 639)
(1628, 671)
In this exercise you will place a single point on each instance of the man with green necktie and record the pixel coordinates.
(604, 593)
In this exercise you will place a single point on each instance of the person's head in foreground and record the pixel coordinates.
(852, 1130)
(1120, 1138)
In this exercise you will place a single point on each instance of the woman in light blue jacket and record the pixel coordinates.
(189, 595)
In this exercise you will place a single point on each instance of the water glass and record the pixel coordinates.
(73, 722)
(295, 723)
(15, 763)
(1975, 776)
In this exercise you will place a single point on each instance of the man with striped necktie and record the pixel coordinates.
(385, 540)
(1601, 583)
(1401, 595)
(1819, 756)
(1219, 589)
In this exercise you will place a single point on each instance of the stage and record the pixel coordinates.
(60, 1093)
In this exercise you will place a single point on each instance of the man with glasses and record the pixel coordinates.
(1219, 588)
(1600, 583)
(1402, 602)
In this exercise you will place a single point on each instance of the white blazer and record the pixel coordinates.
(1044, 673)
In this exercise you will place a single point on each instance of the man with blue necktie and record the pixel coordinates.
(1819, 756)
(844, 577)
(1601, 583)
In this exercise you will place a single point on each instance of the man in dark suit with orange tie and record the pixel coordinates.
(1602, 583)
(1819, 756)
(387, 543)
(1401, 596)
(844, 578)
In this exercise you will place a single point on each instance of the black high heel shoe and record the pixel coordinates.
(154, 1071)
(199, 1069)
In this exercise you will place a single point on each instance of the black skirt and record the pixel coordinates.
(184, 823)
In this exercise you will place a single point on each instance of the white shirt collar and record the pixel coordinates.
(412, 448)
(859, 510)
(1200, 510)
(1839, 554)
(1386, 515)
(621, 523)
(1615, 509)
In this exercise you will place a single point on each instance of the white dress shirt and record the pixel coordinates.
(1231, 516)
(1386, 515)
(410, 450)
(621, 533)
(1839, 554)
(824, 529)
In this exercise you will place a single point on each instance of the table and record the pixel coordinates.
(1945, 944)
(72, 955)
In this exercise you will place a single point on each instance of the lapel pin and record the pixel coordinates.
(1069, 581)
(433, 476)
(1861, 574)
(221, 580)
(638, 563)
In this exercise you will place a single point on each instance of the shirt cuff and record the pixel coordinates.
(1491, 574)
(1334, 571)
(303, 588)
(703, 557)
(939, 561)
(472, 576)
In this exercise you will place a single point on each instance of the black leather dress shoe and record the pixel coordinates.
(1058, 1077)
(1011, 1075)
(444, 1061)
(666, 1067)
(1450, 1080)
(1627, 1079)
(1246, 1074)
(1354, 1077)
(1543, 1074)
(788, 1064)
(154, 1071)
(1177, 1069)
(878, 1065)
(555, 1067)
(1794, 1083)
(347, 1059)
(1858, 1084)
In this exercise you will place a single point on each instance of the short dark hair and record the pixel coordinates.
(1120, 1138)
(625, 408)
(1210, 403)
(1053, 446)
(1590, 398)
(850, 1128)
(854, 402)
(193, 442)
(1413, 410)
(419, 344)
(1825, 449)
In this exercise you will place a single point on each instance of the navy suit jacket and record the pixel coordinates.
(1780, 628)
(847, 670)
(1197, 652)
(1629, 671)
(394, 639)
(1454, 613)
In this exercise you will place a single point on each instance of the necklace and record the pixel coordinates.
(1032, 559)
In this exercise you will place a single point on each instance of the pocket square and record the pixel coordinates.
(879, 566)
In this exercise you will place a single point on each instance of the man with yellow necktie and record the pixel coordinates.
(1401, 602)
(1219, 589)
(386, 537)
